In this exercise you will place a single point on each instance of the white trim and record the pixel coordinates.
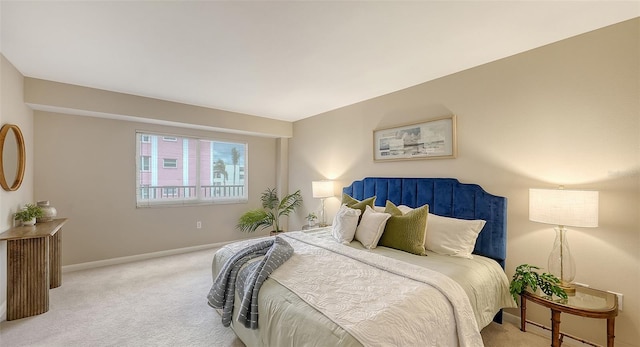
(132, 258)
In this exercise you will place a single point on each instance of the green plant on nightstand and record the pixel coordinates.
(526, 276)
(29, 214)
(311, 219)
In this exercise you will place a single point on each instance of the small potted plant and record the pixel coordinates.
(526, 276)
(28, 214)
(272, 209)
(311, 219)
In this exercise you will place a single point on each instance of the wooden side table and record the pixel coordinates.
(33, 267)
(587, 302)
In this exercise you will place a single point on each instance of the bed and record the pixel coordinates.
(344, 294)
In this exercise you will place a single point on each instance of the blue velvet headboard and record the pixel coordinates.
(446, 197)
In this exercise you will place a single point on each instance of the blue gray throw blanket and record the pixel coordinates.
(249, 280)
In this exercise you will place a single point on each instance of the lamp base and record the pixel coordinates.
(568, 288)
(561, 263)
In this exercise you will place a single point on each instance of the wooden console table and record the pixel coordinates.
(34, 265)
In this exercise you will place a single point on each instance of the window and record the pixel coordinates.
(170, 163)
(176, 170)
(145, 162)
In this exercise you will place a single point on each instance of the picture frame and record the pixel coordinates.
(430, 139)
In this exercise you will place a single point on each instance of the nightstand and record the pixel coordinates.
(587, 302)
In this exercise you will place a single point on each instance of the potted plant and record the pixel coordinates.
(28, 214)
(311, 219)
(272, 209)
(526, 276)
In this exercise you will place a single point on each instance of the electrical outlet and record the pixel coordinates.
(619, 299)
(198, 225)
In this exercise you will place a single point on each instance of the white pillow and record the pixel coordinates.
(345, 223)
(371, 227)
(452, 236)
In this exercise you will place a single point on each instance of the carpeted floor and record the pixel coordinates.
(158, 302)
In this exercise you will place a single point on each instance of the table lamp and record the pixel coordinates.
(560, 207)
(322, 190)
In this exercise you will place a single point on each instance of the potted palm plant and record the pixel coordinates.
(272, 209)
(28, 214)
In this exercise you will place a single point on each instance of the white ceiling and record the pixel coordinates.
(282, 60)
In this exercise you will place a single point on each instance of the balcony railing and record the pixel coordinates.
(190, 192)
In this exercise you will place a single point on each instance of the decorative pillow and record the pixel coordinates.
(371, 227)
(345, 223)
(405, 232)
(354, 203)
(452, 236)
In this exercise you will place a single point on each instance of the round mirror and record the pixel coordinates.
(12, 157)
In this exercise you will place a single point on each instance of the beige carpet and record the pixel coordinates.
(158, 302)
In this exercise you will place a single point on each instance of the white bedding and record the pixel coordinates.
(363, 291)
(315, 315)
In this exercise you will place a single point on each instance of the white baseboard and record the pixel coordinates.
(132, 258)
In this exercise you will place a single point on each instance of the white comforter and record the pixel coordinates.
(370, 295)
(367, 296)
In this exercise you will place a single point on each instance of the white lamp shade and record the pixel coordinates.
(577, 208)
(322, 189)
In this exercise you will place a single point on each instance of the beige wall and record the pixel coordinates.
(13, 111)
(72, 99)
(567, 113)
(86, 167)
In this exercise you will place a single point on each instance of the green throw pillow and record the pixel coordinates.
(405, 232)
(357, 204)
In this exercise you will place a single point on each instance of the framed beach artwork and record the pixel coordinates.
(431, 139)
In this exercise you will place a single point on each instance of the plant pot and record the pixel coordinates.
(30, 222)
